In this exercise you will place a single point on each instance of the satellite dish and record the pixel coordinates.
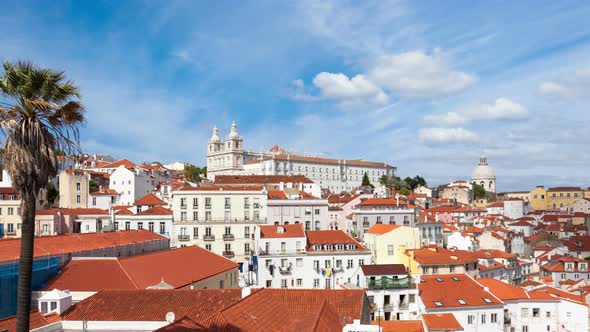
(170, 317)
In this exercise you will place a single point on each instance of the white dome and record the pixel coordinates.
(483, 171)
(215, 136)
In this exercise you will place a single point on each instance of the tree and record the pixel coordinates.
(194, 173)
(479, 191)
(92, 185)
(41, 117)
(366, 181)
(404, 191)
(52, 193)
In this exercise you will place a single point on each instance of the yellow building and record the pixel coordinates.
(436, 260)
(563, 198)
(10, 221)
(73, 189)
(388, 243)
(538, 197)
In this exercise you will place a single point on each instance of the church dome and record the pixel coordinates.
(215, 136)
(483, 171)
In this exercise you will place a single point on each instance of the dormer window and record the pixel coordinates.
(351, 247)
(317, 247)
(339, 247)
(328, 247)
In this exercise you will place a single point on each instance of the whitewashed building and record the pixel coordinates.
(286, 207)
(290, 257)
(380, 211)
(229, 157)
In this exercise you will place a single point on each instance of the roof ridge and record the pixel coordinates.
(127, 274)
(484, 288)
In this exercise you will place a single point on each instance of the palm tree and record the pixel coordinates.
(41, 117)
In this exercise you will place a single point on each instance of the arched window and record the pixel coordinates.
(490, 184)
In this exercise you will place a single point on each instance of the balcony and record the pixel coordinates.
(228, 254)
(507, 320)
(390, 283)
(183, 206)
(207, 206)
(227, 207)
(284, 270)
(208, 237)
(228, 237)
(184, 237)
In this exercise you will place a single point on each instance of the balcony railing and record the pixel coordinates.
(207, 206)
(228, 237)
(263, 252)
(390, 283)
(228, 254)
(184, 237)
(208, 237)
(227, 206)
(507, 320)
(285, 270)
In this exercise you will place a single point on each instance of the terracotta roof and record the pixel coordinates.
(341, 198)
(454, 291)
(72, 243)
(384, 269)
(152, 305)
(8, 191)
(123, 162)
(124, 212)
(37, 320)
(560, 294)
(150, 200)
(272, 231)
(260, 179)
(529, 283)
(277, 194)
(441, 256)
(502, 290)
(495, 265)
(496, 204)
(291, 310)
(155, 211)
(564, 189)
(441, 322)
(473, 229)
(330, 237)
(141, 271)
(578, 243)
(493, 253)
(399, 325)
(381, 229)
(104, 191)
(184, 324)
(223, 188)
(522, 223)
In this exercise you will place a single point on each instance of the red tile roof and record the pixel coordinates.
(564, 189)
(493, 253)
(384, 269)
(560, 294)
(123, 162)
(142, 271)
(381, 229)
(441, 322)
(379, 202)
(71, 243)
(277, 194)
(150, 200)
(155, 211)
(441, 256)
(504, 291)
(104, 191)
(272, 231)
(152, 305)
(184, 324)
(330, 237)
(449, 289)
(522, 223)
(37, 320)
(260, 179)
(400, 325)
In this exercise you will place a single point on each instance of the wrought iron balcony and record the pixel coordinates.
(184, 237)
(228, 254)
(285, 270)
(228, 237)
(208, 237)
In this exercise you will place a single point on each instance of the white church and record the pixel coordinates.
(484, 175)
(227, 156)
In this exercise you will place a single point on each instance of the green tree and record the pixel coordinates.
(404, 191)
(52, 193)
(93, 185)
(194, 173)
(366, 181)
(479, 191)
(41, 116)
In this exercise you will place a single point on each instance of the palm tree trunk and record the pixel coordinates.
(25, 271)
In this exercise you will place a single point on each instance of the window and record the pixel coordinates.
(228, 247)
(299, 262)
(150, 226)
(338, 263)
(208, 247)
(316, 283)
(94, 201)
(361, 262)
(227, 230)
(195, 215)
(44, 307)
(524, 312)
(207, 231)
(494, 318)
(424, 270)
(221, 284)
(317, 211)
(438, 304)
(183, 216)
(53, 305)
(247, 231)
(115, 226)
(434, 269)
(195, 232)
(525, 328)
(452, 268)
(483, 318)
(316, 265)
(548, 314)
(246, 203)
(77, 186)
(268, 283)
(536, 312)
(470, 319)
(207, 202)
(207, 215)
(412, 298)
(246, 248)
(162, 227)
(350, 264)
(228, 203)
(127, 225)
(78, 199)
(299, 282)
(195, 202)
(183, 202)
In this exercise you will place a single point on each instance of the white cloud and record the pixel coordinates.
(419, 74)
(501, 109)
(575, 86)
(446, 135)
(339, 86)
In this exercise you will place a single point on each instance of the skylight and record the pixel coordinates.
(461, 301)
(486, 300)
(438, 304)
(456, 278)
(439, 279)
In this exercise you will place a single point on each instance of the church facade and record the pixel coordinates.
(484, 175)
(227, 156)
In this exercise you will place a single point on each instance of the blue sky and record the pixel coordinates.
(427, 86)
